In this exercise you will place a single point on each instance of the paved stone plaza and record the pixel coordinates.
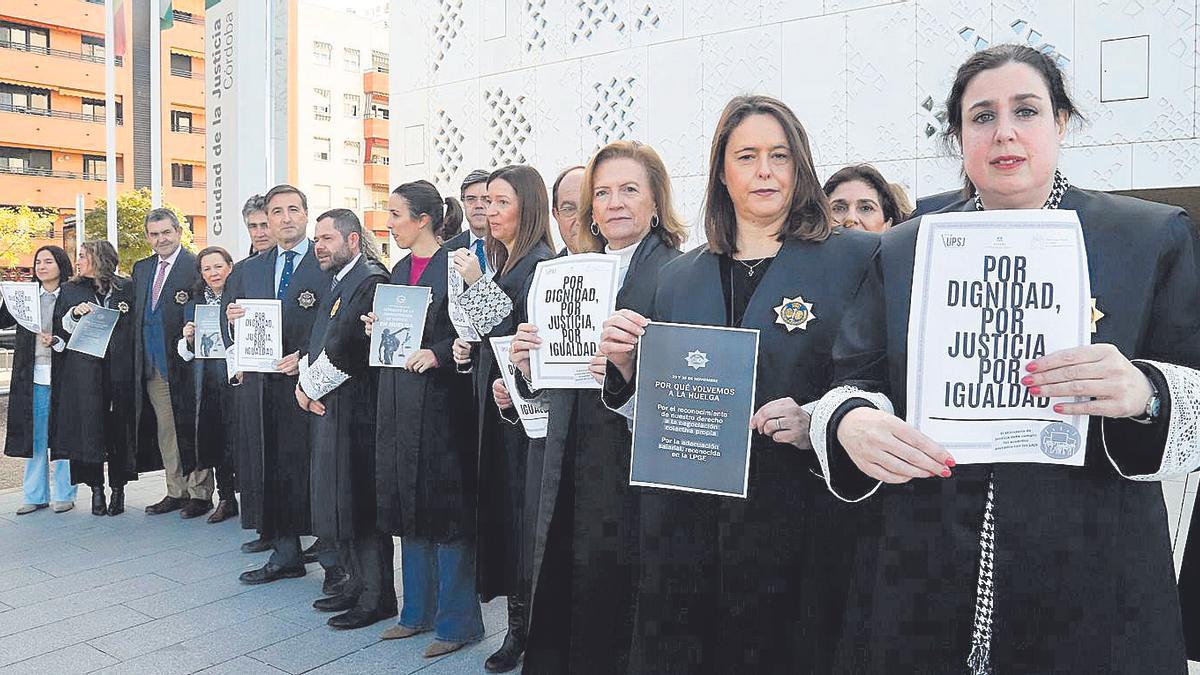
(139, 594)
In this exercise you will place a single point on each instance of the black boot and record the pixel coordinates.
(116, 505)
(508, 656)
(99, 506)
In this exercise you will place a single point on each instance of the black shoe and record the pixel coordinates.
(166, 505)
(257, 546)
(335, 581)
(270, 572)
(226, 509)
(195, 507)
(359, 618)
(508, 657)
(335, 603)
(116, 505)
(309, 555)
(99, 506)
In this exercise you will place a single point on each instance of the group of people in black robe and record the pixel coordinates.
(861, 546)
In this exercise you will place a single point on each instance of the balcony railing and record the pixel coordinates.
(58, 114)
(188, 184)
(192, 74)
(47, 173)
(188, 17)
(61, 53)
(186, 130)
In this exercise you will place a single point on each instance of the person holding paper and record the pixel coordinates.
(290, 273)
(338, 388)
(163, 283)
(1011, 567)
(756, 584)
(97, 394)
(518, 239)
(584, 527)
(425, 443)
(37, 359)
(213, 427)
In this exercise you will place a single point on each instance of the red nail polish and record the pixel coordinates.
(1058, 408)
(945, 473)
(951, 463)
(1032, 367)
(1027, 380)
(1036, 391)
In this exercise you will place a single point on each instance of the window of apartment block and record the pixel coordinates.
(379, 110)
(351, 199)
(379, 60)
(181, 175)
(352, 104)
(352, 60)
(92, 47)
(181, 65)
(93, 108)
(321, 196)
(181, 121)
(19, 36)
(352, 152)
(322, 53)
(94, 167)
(24, 160)
(321, 150)
(24, 99)
(321, 103)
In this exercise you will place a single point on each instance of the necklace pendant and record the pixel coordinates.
(750, 273)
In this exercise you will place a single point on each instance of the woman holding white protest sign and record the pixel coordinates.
(518, 239)
(1019, 567)
(584, 532)
(756, 584)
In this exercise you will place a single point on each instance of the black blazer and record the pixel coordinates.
(309, 284)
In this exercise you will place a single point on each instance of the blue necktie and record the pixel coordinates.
(286, 277)
(479, 254)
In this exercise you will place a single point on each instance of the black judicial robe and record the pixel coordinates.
(584, 522)
(212, 428)
(502, 447)
(244, 425)
(97, 394)
(756, 584)
(343, 439)
(1083, 574)
(425, 438)
(18, 441)
(279, 496)
(176, 293)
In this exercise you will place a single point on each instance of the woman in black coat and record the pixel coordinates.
(214, 427)
(425, 442)
(757, 584)
(584, 530)
(518, 239)
(36, 359)
(98, 393)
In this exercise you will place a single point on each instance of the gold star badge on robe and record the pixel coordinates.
(794, 313)
(1096, 315)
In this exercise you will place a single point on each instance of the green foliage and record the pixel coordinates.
(19, 227)
(131, 234)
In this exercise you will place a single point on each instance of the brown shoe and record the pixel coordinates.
(195, 507)
(399, 632)
(226, 509)
(441, 648)
(166, 505)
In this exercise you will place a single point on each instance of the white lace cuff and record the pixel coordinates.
(69, 322)
(185, 352)
(1181, 452)
(819, 427)
(486, 305)
(320, 377)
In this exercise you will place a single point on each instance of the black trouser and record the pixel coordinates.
(226, 481)
(372, 571)
(287, 553)
(92, 474)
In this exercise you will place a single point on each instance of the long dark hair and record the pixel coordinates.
(871, 176)
(989, 59)
(200, 285)
(105, 261)
(65, 270)
(533, 226)
(445, 215)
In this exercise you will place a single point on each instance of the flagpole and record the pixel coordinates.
(79, 215)
(156, 171)
(110, 119)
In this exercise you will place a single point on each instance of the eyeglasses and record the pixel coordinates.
(472, 200)
(568, 210)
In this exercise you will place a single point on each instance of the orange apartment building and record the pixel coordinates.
(52, 116)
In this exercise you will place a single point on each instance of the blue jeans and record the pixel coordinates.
(439, 589)
(37, 468)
